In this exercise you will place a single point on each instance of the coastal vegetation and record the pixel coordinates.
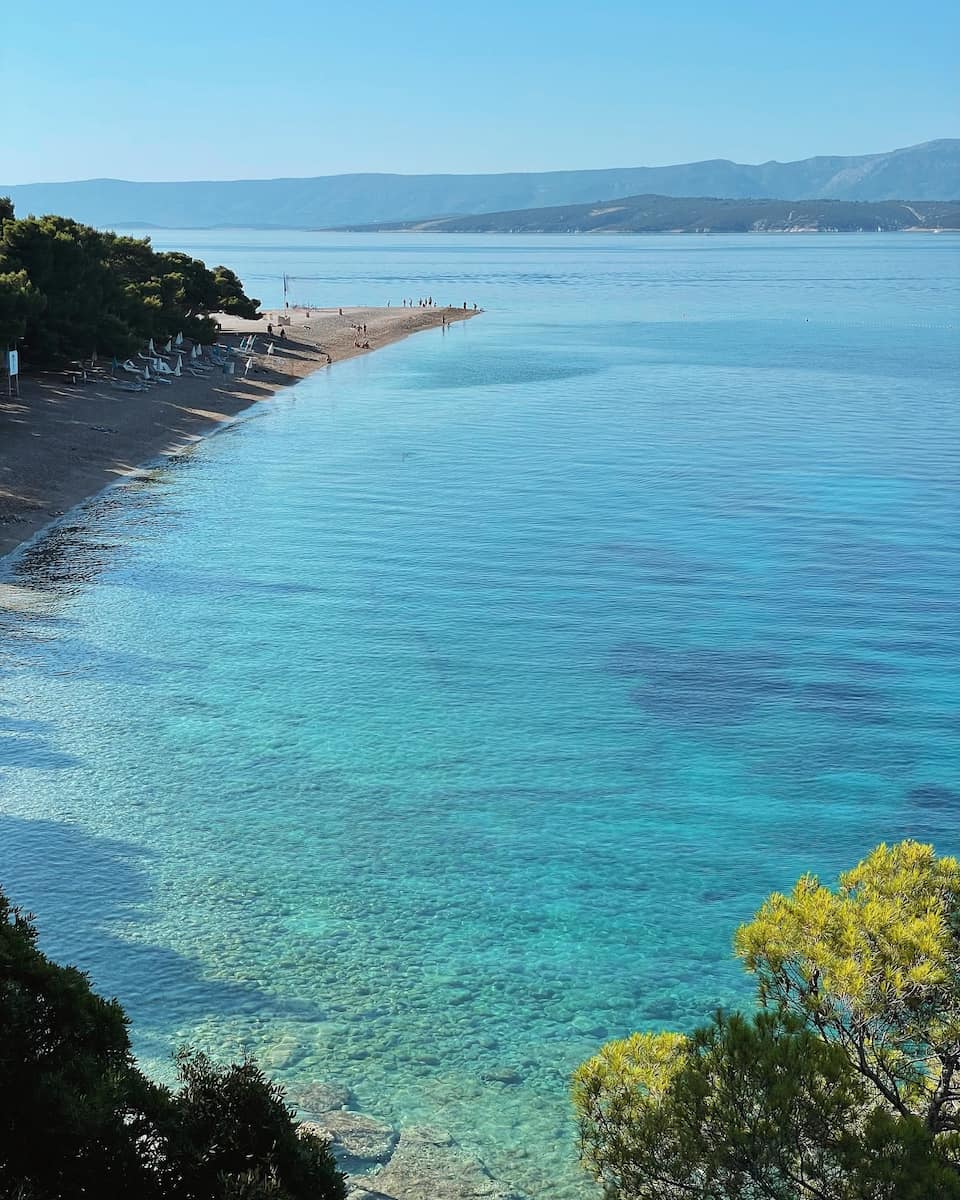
(845, 1085)
(68, 290)
(78, 1118)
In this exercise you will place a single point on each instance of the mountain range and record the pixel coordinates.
(669, 214)
(929, 171)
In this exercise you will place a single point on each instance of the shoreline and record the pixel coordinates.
(62, 444)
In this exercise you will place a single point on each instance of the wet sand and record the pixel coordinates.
(61, 443)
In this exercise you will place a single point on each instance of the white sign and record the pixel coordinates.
(13, 362)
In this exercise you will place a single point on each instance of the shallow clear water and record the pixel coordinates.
(448, 712)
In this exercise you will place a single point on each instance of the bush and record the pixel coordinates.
(842, 1086)
(78, 1118)
(234, 1136)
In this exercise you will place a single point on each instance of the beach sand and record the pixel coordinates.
(61, 443)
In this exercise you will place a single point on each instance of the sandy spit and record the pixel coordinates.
(61, 443)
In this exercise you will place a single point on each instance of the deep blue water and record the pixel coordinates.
(449, 711)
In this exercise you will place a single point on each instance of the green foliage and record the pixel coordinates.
(19, 302)
(842, 1087)
(6, 210)
(236, 1137)
(77, 1118)
(230, 295)
(68, 1087)
(100, 291)
(874, 966)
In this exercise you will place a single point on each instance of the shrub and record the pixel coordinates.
(843, 1086)
(78, 1118)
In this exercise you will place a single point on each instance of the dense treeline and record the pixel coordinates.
(68, 290)
(845, 1085)
(77, 1118)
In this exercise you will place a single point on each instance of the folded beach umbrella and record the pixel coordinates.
(151, 348)
(178, 340)
(169, 346)
(146, 373)
(177, 370)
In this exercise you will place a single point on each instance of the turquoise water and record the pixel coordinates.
(448, 712)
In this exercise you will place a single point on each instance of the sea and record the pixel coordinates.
(442, 717)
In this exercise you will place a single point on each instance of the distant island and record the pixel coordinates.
(668, 214)
(929, 171)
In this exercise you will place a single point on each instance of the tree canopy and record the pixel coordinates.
(78, 1118)
(67, 289)
(841, 1087)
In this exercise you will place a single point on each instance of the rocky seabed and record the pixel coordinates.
(384, 1163)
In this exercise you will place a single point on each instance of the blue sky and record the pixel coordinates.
(215, 91)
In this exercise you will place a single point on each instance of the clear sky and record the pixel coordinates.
(242, 90)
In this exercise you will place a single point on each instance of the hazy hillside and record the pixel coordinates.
(930, 171)
(667, 214)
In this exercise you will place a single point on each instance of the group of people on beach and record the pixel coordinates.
(429, 302)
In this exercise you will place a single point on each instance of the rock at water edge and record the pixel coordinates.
(429, 1165)
(354, 1137)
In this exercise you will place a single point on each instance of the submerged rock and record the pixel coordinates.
(502, 1075)
(317, 1098)
(354, 1137)
(429, 1165)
